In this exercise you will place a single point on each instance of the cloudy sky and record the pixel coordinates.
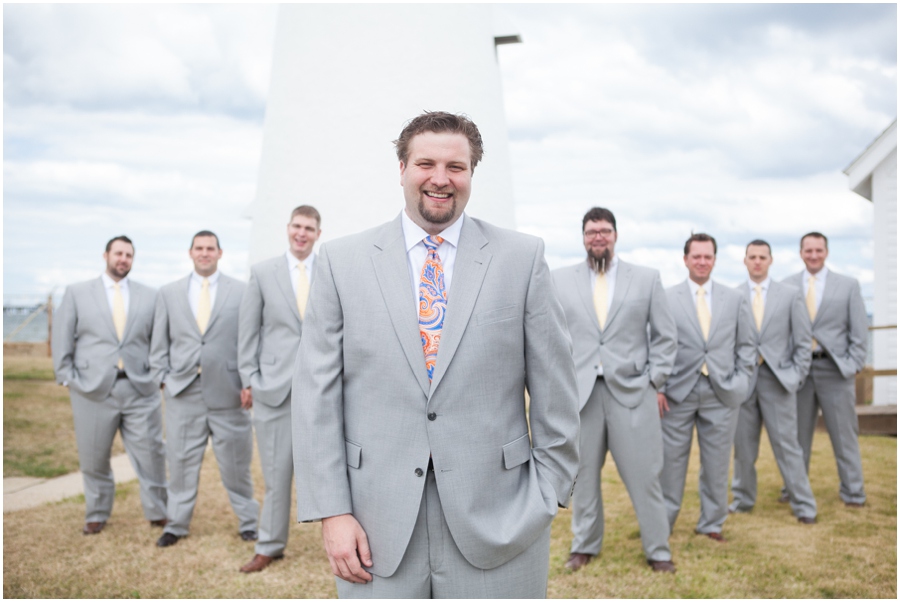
(736, 120)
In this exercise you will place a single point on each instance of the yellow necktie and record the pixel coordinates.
(758, 307)
(302, 289)
(811, 304)
(601, 292)
(118, 315)
(203, 307)
(704, 317)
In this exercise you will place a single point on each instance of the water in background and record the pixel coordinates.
(34, 332)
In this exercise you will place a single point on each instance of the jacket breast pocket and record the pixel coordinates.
(516, 453)
(266, 358)
(81, 364)
(354, 454)
(497, 315)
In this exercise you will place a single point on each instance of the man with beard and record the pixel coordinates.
(101, 349)
(411, 438)
(610, 307)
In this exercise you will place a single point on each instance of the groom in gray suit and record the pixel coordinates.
(782, 338)
(411, 438)
(271, 321)
(194, 352)
(711, 378)
(101, 349)
(840, 338)
(611, 306)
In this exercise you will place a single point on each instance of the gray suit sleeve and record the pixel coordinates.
(63, 338)
(801, 336)
(159, 340)
(550, 379)
(859, 328)
(317, 404)
(249, 325)
(663, 336)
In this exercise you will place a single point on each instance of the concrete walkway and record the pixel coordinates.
(20, 493)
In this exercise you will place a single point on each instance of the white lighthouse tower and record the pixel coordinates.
(345, 80)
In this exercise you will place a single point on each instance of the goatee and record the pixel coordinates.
(433, 217)
(599, 262)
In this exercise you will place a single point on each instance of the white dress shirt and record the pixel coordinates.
(707, 288)
(109, 286)
(194, 287)
(765, 290)
(294, 269)
(416, 253)
(820, 284)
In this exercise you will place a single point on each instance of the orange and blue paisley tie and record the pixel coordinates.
(432, 303)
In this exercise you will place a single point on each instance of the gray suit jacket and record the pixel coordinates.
(85, 347)
(178, 348)
(269, 332)
(635, 365)
(785, 339)
(729, 352)
(366, 419)
(841, 326)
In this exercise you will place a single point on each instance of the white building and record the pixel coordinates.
(874, 175)
(345, 80)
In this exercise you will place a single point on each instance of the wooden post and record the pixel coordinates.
(49, 324)
(864, 386)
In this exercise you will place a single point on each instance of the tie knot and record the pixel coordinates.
(701, 292)
(116, 285)
(758, 288)
(432, 242)
(206, 283)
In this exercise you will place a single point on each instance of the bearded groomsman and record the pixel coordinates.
(782, 339)
(839, 341)
(101, 346)
(610, 307)
(270, 325)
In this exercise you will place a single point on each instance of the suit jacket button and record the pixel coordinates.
(419, 472)
(432, 416)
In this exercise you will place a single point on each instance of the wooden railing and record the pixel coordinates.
(866, 376)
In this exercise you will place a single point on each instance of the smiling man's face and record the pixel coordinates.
(436, 179)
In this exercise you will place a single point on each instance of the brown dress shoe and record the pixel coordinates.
(159, 523)
(714, 536)
(93, 528)
(259, 562)
(662, 566)
(854, 504)
(784, 498)
(807, 520)
(577, 560)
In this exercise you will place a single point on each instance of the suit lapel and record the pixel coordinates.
(282, 277)
(831, 286)
(134, 304)
(221, 296)
(392, 272)
(583, 286)
(623, 281)
(185, 305)
(690, 310)
(468, 275)
(773, 300)
(717, 295)
(101, 301)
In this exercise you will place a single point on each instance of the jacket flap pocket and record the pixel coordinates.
(785, 364)
(81, 364)
(354, 454)
(231, 365)
(496, 315)
(266, 358)
(517, 452)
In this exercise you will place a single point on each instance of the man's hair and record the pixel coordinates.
(700, 237)
(307, 211)
(205, 233)
(123, 238)
(440, 122)
(596, 214)
(814, 235)
(757, 243)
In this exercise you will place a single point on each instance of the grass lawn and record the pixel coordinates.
(850, 553)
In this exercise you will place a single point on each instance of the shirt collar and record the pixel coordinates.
(413, 234)
(706, 287)
(819, 277)
(764, 284)
(293, 262)
(199, 279)
(110, 283)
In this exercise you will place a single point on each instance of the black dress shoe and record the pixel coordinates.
(249, 535)
(167, 539)
(807, 520)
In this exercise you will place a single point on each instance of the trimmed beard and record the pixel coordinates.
(436, 218)
(112, 269)
(599, 262)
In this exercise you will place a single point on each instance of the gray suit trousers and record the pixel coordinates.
(139, 419)
(189, 425)
(773, 405)
(634, 437)
(433, 567)
(716, 424)
(827, 389)
(273, 436)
